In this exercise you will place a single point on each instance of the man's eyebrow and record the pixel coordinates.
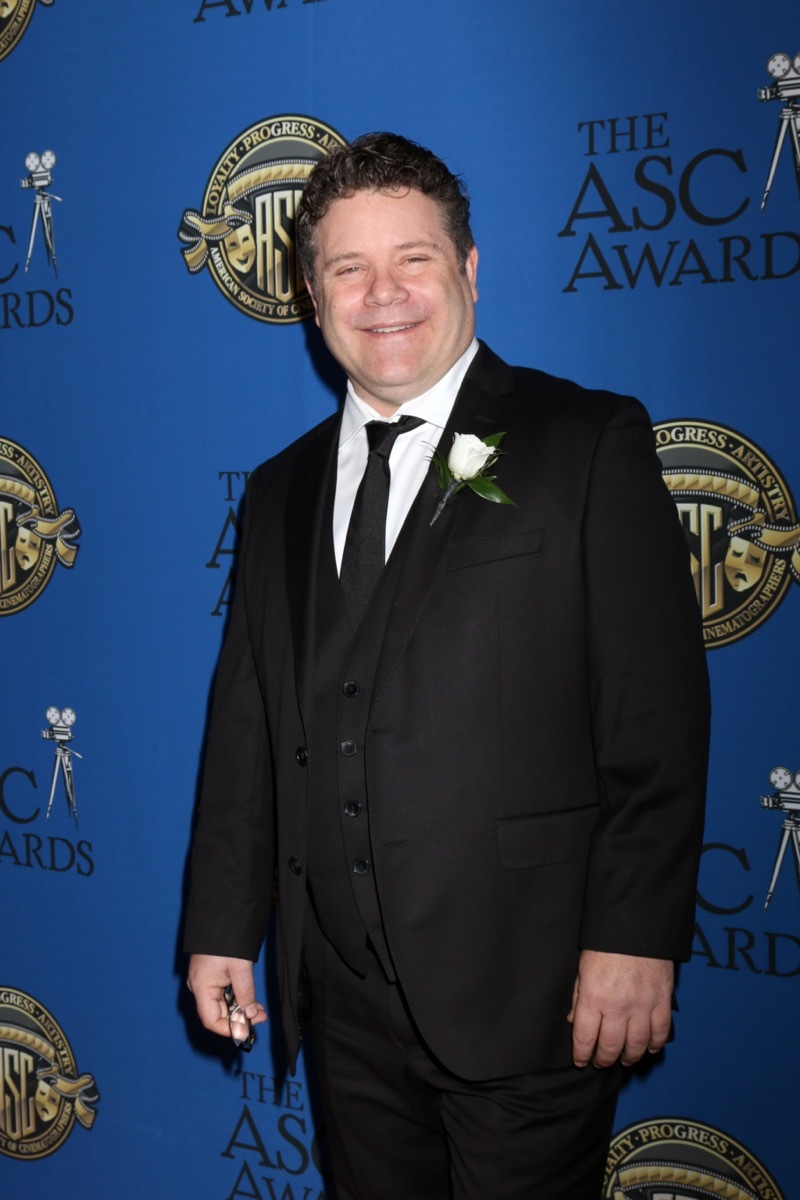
(349, 255)
(420, 245)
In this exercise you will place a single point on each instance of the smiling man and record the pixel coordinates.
(395, 304)
(472, 744)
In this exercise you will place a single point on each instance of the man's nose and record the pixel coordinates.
(385, 287)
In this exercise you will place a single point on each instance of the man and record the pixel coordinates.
(481, 782)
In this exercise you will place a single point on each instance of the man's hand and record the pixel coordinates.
(208, 977)
(621, 1006)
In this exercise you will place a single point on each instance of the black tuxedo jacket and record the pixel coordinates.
(536, 746)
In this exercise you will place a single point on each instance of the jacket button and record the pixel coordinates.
(360, 866)
(348, 748)
(301, 756)
(352, 808)
(295, 866)
(350, 687)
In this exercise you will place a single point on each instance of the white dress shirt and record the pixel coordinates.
(411, 452)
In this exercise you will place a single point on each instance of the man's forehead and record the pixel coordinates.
(397, 204)
(404, 219)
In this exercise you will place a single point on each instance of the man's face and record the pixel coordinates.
(394, 308)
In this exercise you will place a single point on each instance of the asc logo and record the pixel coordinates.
(683, 1160)
(245, 233)
(34, 535)
(740, 522)
(41, 1093)
(14, 18)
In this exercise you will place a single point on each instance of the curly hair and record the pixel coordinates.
(381, 162)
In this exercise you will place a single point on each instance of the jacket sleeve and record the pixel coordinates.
(233, 846)
(650, 701)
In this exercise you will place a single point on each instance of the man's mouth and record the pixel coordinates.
(393, 328)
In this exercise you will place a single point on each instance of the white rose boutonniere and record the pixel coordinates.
(468, 464)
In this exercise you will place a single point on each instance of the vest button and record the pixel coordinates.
(360, 866)
(301, 756)
(295, 866)
(350, 687)
(352, 808)
(348, 748)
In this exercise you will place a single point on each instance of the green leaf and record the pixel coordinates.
(494, 439)
(488, 490)
(443, 472)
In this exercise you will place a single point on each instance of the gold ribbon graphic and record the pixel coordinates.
(61, 530)
(80, 1092)
(257, 178)
(663, 1173)
(200, 232)
(755, 528)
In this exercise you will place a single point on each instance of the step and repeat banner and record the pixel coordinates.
(634, 175)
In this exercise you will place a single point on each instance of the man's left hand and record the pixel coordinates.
(621, 1006)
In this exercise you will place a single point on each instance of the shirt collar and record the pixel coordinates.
(434, 406)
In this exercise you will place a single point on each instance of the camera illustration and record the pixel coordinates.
(39, 170)
(786, 799)
(60, 724)
(786, 73)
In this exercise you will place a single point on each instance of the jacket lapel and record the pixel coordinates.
(481, 407)
(308, 519)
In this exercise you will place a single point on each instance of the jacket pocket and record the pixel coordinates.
(546, 838)
(489, 549)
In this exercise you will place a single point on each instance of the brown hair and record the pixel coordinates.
(381, 162)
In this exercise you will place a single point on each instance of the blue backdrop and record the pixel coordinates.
(617, 158)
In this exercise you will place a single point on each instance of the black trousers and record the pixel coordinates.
(401, 1127)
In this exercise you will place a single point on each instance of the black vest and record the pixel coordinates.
(339, 855)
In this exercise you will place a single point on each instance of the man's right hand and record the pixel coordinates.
(208, 977)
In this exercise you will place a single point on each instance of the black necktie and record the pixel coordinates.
(365, 547)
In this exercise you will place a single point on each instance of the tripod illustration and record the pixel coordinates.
(61, 733)
(42, 208)
(789, 119)
(787, 799)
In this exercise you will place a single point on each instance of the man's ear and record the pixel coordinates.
(471, 271)
(313, 298)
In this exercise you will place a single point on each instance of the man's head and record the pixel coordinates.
(381, 162)
(385, 244)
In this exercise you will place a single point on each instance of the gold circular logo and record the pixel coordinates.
(14, 18)
(34, 535)
(685, 1160)
(245, 233)
(41, 1093)
(740, 523)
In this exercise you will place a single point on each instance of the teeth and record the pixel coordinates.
(391, 328)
